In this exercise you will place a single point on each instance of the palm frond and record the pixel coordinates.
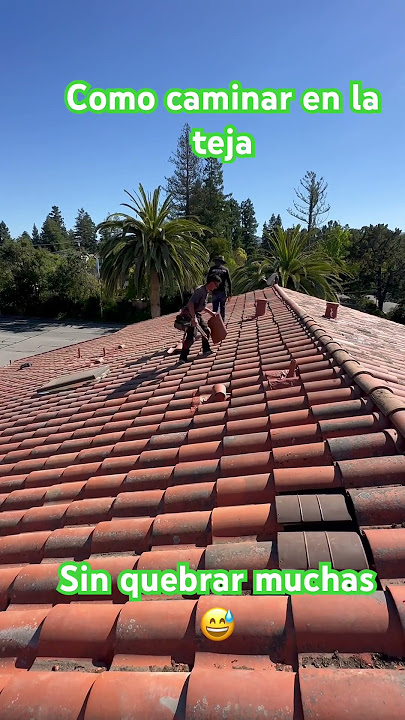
(150, 240)
(299, 264)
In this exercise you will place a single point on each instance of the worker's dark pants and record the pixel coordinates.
(219, 301)
(191, 336)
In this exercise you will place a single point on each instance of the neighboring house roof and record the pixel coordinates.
(130, 471)
(377, 343)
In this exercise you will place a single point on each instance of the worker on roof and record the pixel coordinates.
(219, 296)
(195, 306)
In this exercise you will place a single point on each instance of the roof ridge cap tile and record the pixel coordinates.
(382, 395)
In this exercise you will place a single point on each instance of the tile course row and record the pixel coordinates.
(269, 630)
(309, 694)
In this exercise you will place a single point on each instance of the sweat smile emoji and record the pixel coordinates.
(217, 624)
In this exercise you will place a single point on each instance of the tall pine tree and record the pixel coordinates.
(249, 226)
(36, 240)
(25, 237)
(54, 236)
(212, 199)
(85, 232)
(56, 216)
(269, 230)
(4, 233)
(185, 183)
(275, 222)
(312, 200)
(233, 223)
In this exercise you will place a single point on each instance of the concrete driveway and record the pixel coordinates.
(23, 337)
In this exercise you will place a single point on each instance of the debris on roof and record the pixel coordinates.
(293, 455)
(77, 378)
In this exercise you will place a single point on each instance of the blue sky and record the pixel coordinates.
(50, 156)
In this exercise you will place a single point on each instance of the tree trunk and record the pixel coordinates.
(384, 291)
(188, 182)
(380, 299)
(154, 294)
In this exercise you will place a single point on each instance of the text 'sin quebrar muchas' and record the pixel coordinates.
(229, 144)
(80, 579)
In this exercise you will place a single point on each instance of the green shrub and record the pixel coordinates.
(397, 314)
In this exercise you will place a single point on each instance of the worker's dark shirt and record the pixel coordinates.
(198, 299)
(223, 272)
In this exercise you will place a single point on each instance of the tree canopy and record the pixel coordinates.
(151, 250)
(161, 246)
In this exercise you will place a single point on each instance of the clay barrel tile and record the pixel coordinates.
(257, 521)
(366, 472)
(79, 631)
(70, 542)
(388, 551)
(137, 504)
(242, 556)
(122, 534)
(36, 584)
(181, 498)
(245, 489)
(23, 548)
(378, 506)
(256, 694)
(147, 479)
(167, 559)
(143, 632)
(183, 527)
(369, 624)
(263, 627)
(158, 695)
(46, 694)
(306, 478)
(320, 688)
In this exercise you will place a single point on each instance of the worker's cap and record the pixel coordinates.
(220, 258)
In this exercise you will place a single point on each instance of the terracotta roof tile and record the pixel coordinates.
(139, 470)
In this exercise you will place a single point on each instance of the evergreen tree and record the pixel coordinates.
(72, 242)
(85, 232)
(249, 226)
(269, 229)
(54, 236)
(233, 223)
(56, 215)
(4, 232)
(378, 257)
(313, 199)
(212, 199)
(25, 237)
(185, 183)
(35, 236)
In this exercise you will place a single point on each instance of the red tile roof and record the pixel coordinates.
(376, 342)
(133, 472)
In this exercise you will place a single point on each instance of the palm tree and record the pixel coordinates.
(299, 266)
(151, 250)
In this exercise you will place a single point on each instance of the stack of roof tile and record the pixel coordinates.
(129, 473)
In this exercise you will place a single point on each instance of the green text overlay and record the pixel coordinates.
(81, 97)
(80, 579)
